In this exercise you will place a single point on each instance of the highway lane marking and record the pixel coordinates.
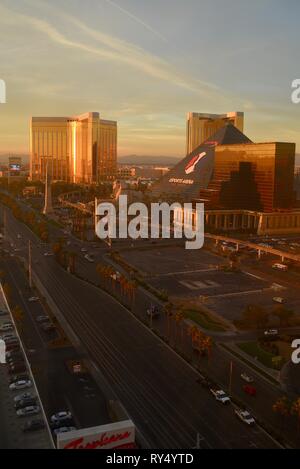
(26, 307)
(248, 292)
(145, 386)
(183, 272)
(153, 333)
(253, 275)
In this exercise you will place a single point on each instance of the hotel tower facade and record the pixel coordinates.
(79, 149)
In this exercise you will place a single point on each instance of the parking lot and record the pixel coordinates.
(196, 274)
(12, 425)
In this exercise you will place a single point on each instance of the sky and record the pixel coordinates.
(146, 63)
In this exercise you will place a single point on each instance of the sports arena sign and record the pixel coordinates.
(119, 435)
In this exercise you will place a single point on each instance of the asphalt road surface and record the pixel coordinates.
(156, 386)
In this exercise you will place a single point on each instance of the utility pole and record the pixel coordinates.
(29, 264)
(4, 223)
(230, 376)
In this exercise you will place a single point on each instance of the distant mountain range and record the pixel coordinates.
(143, 159)
(128, 159)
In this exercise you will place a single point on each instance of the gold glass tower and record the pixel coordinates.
(199, 127)
(81, 149)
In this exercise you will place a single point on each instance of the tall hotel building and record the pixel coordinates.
(80, 149)
(200, 127)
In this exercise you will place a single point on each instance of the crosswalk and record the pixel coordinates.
(199, 284)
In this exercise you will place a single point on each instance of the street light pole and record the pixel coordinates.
(230, 376)
(29, 264)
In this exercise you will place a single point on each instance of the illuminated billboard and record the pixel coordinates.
(119, 435)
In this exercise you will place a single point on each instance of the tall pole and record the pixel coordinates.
(230, 376)
(4, 223)
(29, 264)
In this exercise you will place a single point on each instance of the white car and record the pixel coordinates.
(33, 298)
(89, 258)
(278, 299)
(8, 326)
(8, 336)
(83, 250)
(271, 332)
(64, 415)
(30, 410)
(57, 431)
(220, 396)
(244, 416)
(24, 395)
(48, 254)
(247, 378)
(21, 384)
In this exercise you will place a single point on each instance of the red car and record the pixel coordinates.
(251, 390)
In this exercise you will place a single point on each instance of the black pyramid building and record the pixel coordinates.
(195, 171)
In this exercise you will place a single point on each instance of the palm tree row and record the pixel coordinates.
(111, 279)
(285, 408)
(200, 341)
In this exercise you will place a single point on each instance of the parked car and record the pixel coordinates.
(271, 332)
(61, 416)
(42, 318)
(18, 368)
(33, 298)
(33, 425)
(153, 311)
(24, 395)
(31, 401)
(13, 347)
(59, 430)
(8, 336)
(244, 416)
(13, 355)
(21, 384)
(251, 390)
(247, 378)
(278, 299)
(6, 326)
(3, 313)
(89, 258)
(30, 410)
(12, 341)
(220, 396)
(23, 376)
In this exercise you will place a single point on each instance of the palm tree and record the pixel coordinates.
(179, 317)
(283, 408)
(168, 311)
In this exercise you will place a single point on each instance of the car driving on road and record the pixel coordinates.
(244, 416)
(220, 396)
(61, 416)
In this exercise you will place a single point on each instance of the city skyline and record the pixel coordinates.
(168, 67)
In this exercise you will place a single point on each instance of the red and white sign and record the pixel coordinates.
(190, 167)
(119, 435)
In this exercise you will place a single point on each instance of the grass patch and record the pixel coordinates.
(204, 320)
(254, 350)
(249, 363)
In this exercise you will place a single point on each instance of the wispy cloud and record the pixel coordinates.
(137, 19)
(112, 48)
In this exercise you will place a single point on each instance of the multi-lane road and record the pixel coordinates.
(157, 388)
